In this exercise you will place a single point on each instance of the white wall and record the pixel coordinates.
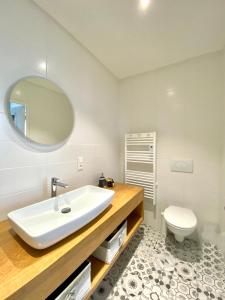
(222, 208)
(28, 36)
(183, 103)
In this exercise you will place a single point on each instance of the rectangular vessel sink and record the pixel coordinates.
(45, 223)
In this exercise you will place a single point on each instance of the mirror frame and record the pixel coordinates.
(27, 143)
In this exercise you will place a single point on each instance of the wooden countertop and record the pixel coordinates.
(23, 269)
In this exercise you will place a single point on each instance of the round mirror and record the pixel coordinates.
(40, 112)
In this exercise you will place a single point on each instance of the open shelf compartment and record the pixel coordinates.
(99, 268)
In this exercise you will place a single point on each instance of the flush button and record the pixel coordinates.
(185, 166)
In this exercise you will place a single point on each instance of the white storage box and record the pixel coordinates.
(112, 244)
(76, 286)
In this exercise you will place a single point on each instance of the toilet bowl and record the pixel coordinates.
(180, 221)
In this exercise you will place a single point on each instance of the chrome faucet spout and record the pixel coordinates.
(54, 183)
(64, 185)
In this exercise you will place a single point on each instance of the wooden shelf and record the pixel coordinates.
(99, 269)
(28, 273)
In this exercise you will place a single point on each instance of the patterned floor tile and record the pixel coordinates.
(156, 267)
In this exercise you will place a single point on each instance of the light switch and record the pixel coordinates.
(80, 163)
(185, 166)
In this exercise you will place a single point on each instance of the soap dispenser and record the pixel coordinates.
(102, 181)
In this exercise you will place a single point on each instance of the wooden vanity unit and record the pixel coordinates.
(26, 273)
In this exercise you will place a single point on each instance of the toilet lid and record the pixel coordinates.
(180, 217)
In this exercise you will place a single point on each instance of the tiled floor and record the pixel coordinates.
(156, 268)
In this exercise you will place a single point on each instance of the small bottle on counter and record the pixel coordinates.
(102, 181)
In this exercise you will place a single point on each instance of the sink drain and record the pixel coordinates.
(66, 210)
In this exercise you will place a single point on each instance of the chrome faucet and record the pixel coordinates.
(54, 183)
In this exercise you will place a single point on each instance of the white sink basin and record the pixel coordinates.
(43, 224)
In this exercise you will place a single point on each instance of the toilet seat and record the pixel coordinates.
(179, 217)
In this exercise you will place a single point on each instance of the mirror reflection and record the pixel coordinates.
(40, 111)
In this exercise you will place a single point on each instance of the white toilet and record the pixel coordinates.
(180, 221)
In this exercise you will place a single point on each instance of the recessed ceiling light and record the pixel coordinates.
(42, 66)
(18, 93)
(170, 92)
(144, 4)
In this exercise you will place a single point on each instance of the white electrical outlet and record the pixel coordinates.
(80, 163)
(185, 166)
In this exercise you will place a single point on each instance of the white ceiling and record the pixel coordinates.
(129, 41)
